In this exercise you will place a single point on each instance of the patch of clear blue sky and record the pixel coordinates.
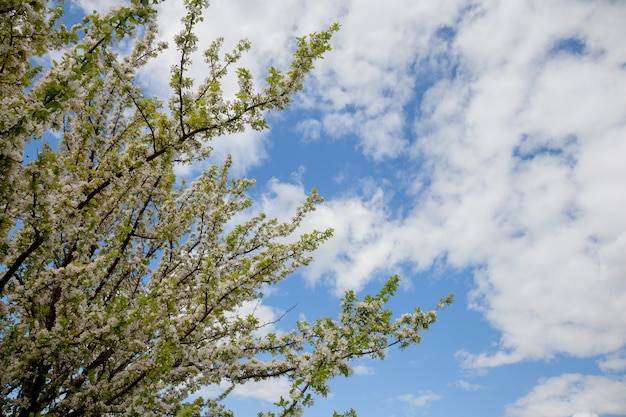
(573, 46)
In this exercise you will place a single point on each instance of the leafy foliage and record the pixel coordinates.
(118, 284)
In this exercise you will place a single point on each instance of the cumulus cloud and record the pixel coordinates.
(367, 81)
(527, 183)
(572, 395)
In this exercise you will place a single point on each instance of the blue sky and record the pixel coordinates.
(474, 147)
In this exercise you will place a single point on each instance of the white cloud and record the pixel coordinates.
(266, 315)
(527, 183)
(101, 6)
(361, 240)
(247, 150)
(363, 370)
(269, 390)
(368, 79)
(467, 386)
(572, 395)
(423, 399)
(615, 362)
(282, 199)
(208, 391)
(266, 391)
(310, 129)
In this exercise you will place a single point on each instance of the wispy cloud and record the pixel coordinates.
(363, 370)
(467, 386)
(422, 399)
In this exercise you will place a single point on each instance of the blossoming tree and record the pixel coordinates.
(118, 283)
